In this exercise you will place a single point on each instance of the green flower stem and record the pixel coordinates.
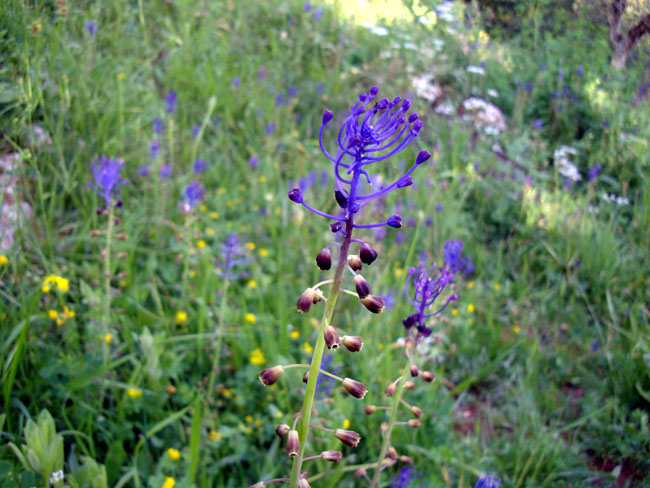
(219, 334)
(314, 369)
(107, 282)
(397, 397)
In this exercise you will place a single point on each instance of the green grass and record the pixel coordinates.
(543, 364)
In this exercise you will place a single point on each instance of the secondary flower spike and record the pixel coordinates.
(428, 285)
(108, 181)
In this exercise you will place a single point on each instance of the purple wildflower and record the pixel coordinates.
(594, 171)
(580, 70)
(605, 124)
(320, 87)
(200, 166)
(488, 481)
(453, 257)
(538, 124)
(195, 130)
(158, 126)
(91, 28)
(143, 170)
(293, 91)
(270, 127)
(236, 82)
(108, 181)
(252, 161)
(318, 14)
(439, 207)
(166, 170)
(543, 67)
(154, 148)
(560, 73)
(404, 478)
(171, 100)
(278, 99)
(232, 255)
(307, 6)
(428, 284)
(194, 193)
(528, 87)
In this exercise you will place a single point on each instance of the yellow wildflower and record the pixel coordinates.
(263, 252)
(214, 215)
(279, 414)
(295, 334)
(62, 284)
(470, 308)
(214, 435)
(202, 207)
(59, 322)
(346, 424)
(228, 203)
(250, 318)
(121, 77)
(470, 285)
(192, 273)
(250, 246)
(307, 347)
(516, 329)
(52, 314)
(108, 338)
(398, 272)
(169, 482)
(257, 357)
(277, 211)
(200, 244)
(257, 422)
(454, 312)
(134, 393)
(173, 454)
(262, 179)
(209, 231)
(221, 191)
(497, 286)
(3, 260)
(67, 313)
(252, 284)
(248, 418)
(181, 317)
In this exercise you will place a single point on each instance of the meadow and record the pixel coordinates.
(155, 163)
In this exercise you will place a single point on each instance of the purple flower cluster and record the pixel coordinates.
(404, 478)
(369, 135)
(233, 254)
(193, 194)
(108, 181)
(488, 481)
(428, 284)
(454, 259)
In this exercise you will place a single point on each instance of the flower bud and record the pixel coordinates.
(295, 195)
(336, 226)
(369, 409)
(327, 116)
(374, 89)
(410, 321)
(404, 182)
(415, 423)
(303, 483)
(394, 221)
(414, 370)
(362, 286)
(422, 157)
(324, 259)
(305, 377)
(347, 437)
(269, 376)
(406, 459)
(409, 385)
(293, 443)
(355, 262)
(392, 453)
(417, 127)
(332, 456)
(355, 388)
(353, 343)
(374, 303)
(282, 429)
(360, 473)
(428, 376)
(367, 254)
(390, 390)
(341, 198)
(332, 340)
(413, 117)
(416, 411)
(307, 298)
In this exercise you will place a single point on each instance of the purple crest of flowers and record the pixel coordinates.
(580, 70)
(371, 133)
(153, 149)
(278, 99)
(233, 254)
(193, 194)
(166, 170)
(404, 478)
(270, 127)
(594, 171)
(307, 6)
(108, 181)
(488, 481)
(538, 124)
(453, 257)
(158, 126)
(318, 14)
(200, 166)
(236, 82)
(605, 124)
(91, 28)
(528, 87)
(293, 91)
(171, 100)
(252, 161)
(428, 284)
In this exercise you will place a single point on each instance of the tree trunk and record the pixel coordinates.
(623, 43)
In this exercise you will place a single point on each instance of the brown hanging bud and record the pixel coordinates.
(367, 254)
(406, 459)
(369, 409)
(414, 370)
(409, 385)
(305, 377)
(352, 343)
(416, 411)
(324, 259)
(362, 286)
(428, 376)
(332, 456)
(392, 453)
(355, 262)
(390, 390)
(269, 376)
(307, 298)
(332, 340)
(355, 388)
(374, 303)
(282, 429)
(414, 423)
(293, 443)
(347, 437)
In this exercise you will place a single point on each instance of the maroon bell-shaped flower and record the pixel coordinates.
(367, 254)
(332, 456)
(307, 298)
(269, 376)
(355, 388)
(354, 261)
(282, 429)
(374, 303)
(428, 376)
(352, 343)
(332, 340)
(362, 286)
(347, 437)
(293, 443)
(324, 259)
